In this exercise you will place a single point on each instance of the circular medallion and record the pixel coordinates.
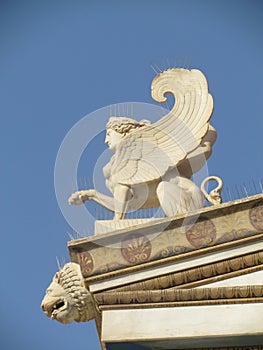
(256, 216)
(136, 249)
(202, 233)
(86, 263)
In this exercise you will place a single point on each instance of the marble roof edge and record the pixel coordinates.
(159, 221)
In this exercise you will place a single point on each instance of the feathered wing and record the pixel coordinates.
(197, 158)
(147, 153)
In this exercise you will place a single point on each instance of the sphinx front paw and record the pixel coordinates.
(76, 198)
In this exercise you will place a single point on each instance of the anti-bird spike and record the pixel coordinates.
(58, 263)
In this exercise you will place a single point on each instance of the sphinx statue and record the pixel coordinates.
(153, 163)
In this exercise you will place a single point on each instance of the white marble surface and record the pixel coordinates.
(198, 323)
(106, 226)
(255, 278)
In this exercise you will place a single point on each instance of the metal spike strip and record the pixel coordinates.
(245, 189)
(71, 237)
(238, 192)
(155, 71)
(254, 186)
(164, 64)
(58, 263)
(168, 62)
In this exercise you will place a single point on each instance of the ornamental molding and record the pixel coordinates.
(201, 275)
(182, 297)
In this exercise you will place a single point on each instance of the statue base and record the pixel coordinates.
(106, 226)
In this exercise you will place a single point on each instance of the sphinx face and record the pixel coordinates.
(113, 138)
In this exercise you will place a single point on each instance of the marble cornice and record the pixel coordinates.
(181, 297)
(201, 275)
(126, 251)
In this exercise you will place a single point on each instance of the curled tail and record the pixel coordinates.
(214, 197)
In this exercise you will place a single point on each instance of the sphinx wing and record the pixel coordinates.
(146, 154)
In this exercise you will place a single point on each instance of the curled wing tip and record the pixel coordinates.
(176, 134)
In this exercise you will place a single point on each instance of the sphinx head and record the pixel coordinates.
(118, 127)
(66, 298)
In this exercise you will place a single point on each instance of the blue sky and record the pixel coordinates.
(61, 60)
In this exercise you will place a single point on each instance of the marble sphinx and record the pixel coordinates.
(153, 163)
